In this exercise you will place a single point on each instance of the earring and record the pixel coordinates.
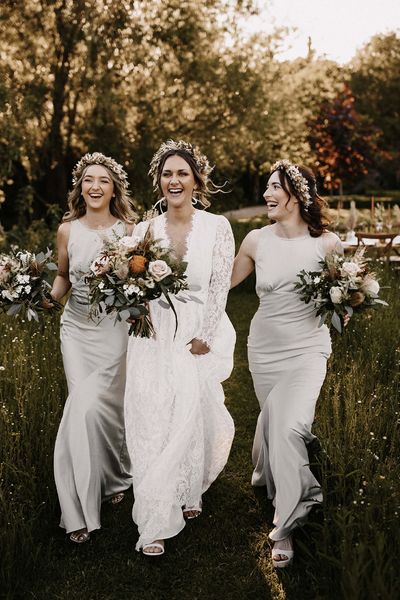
(160, 205)
(194, 201)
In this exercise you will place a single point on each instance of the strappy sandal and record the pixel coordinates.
(153, 545)
(117, 498)
(289, 553)
(79, 537)
(197, 510)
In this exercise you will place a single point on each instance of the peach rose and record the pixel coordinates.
(159, 269)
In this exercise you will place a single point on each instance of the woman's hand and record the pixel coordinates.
(198, 347)
(47, 304)
(346, 319)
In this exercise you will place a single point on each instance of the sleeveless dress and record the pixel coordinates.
(179, 433)
(287, 357)
(91, 462)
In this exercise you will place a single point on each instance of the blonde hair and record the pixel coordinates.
(121, 205)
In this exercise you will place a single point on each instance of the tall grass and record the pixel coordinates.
(348, 550)
(32, 393)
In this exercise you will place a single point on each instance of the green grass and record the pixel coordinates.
(349, 549)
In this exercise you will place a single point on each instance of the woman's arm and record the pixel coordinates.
(62, 283)
(245, 260)
(222, 261)
(332, 243)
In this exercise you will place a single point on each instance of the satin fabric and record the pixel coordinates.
(91, 463)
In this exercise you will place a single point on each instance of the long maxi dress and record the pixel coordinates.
(179, 432)
(287, 357)
(91, 462)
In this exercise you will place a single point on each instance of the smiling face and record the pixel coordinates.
(97, 187)
(177, 181)
(279, 207)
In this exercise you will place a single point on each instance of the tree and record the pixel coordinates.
(344, 143)
(375, 83)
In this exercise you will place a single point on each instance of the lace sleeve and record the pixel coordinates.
(222, 263)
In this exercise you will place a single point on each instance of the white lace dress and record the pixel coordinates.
(179, 432)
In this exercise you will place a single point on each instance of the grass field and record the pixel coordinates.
(349, 549)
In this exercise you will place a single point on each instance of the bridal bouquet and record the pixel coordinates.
(344, 286)
(127, 274)
(24, 285)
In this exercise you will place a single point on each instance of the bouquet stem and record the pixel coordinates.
(142, 327)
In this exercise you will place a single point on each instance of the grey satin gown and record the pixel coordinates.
(91, 463)
(287, 358)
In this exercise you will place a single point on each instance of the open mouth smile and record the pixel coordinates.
(271, 204)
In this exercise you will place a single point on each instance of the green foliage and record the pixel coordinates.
(348, 549)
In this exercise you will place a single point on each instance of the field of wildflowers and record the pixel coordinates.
(349, 549)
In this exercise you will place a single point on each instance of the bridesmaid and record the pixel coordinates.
(91, 463)
(287, 350)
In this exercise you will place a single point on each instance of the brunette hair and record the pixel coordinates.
(315, 214)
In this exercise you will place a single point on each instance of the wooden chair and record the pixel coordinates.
(383, 246)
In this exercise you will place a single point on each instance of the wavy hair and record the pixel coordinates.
(315, 215)
(121, 205)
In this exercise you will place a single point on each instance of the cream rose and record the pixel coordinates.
(336, 295)
(351, 269)
(159, 269)
(129, 242)
(370, 286)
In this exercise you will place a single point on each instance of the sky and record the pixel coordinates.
(337, 27)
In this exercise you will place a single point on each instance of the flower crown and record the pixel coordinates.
(97, 158)
(298, 181)
(202, 164)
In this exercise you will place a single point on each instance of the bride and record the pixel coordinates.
(179, 432)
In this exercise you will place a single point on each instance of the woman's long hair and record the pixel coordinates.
(204, 185)
(121, 206)
(315, 215)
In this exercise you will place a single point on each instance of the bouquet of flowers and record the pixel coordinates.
(127, 274)
(343, 286)
(24, 285)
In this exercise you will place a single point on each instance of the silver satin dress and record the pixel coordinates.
(91, 463)
(287, 358)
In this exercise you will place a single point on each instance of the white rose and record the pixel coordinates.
(100, 265)
(350, 269)
(27, 289)
(370, 286)
(159, 269)
(129, 241)
(336, 295)
(102, 285)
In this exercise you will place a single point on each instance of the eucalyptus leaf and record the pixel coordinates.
(336, 322)
(14, 309)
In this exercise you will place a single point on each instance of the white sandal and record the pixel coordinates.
(154, 545)
(289, 553)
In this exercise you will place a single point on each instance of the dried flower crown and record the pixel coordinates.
(97, 158)
(298, 181)
(202, 164)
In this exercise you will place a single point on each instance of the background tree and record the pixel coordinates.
(375, 83)
(344, 143)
